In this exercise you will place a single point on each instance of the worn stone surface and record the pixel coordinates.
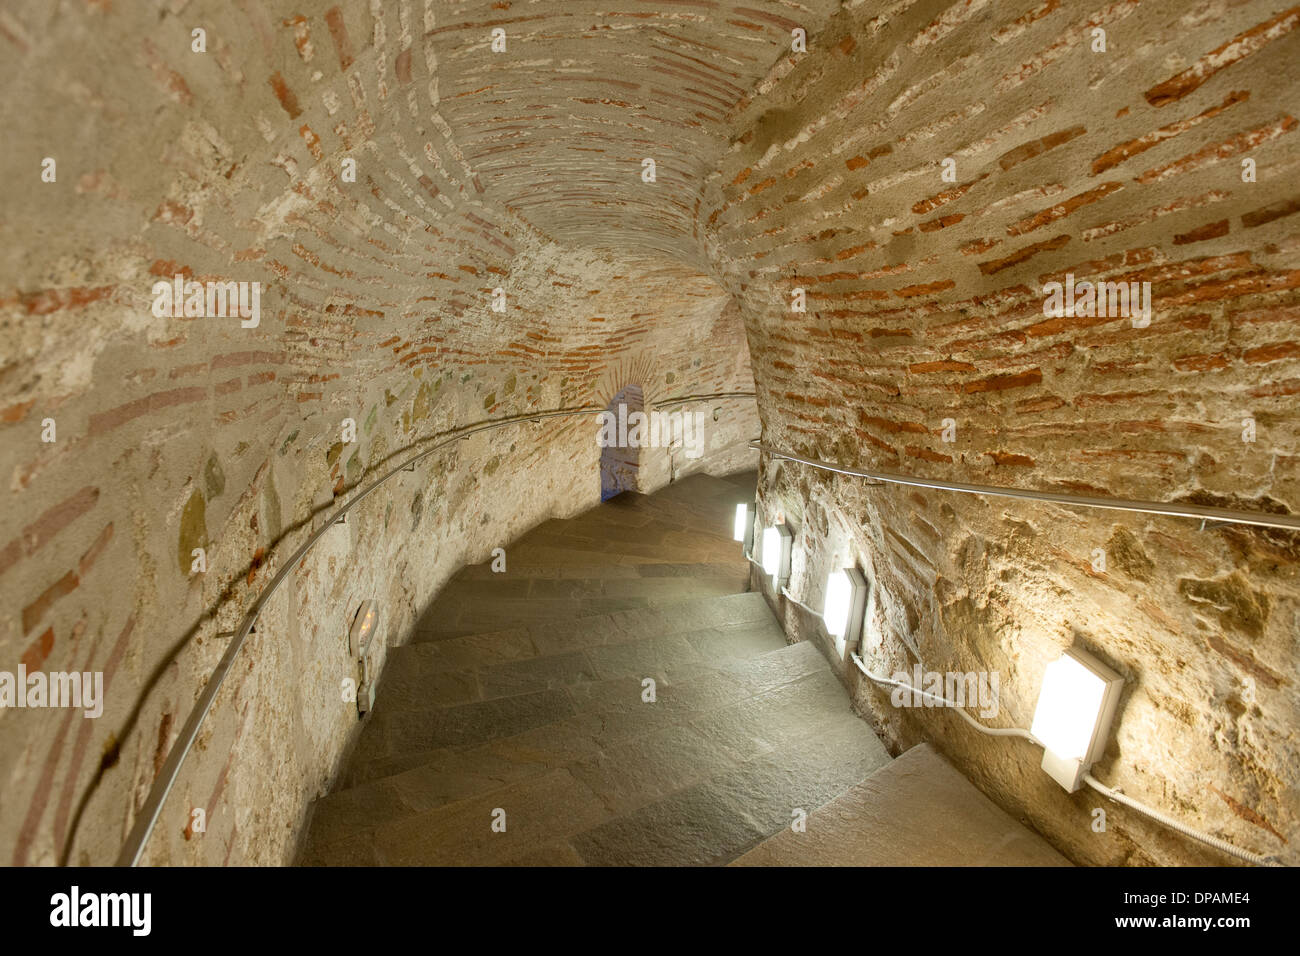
(914, 811)
(743, 729)
(521, 170)
(750, 735)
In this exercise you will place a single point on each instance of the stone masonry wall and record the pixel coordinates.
(173, 434)
(519, 164)
(925, 303)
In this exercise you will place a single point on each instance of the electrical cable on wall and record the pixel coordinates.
(1109, 792)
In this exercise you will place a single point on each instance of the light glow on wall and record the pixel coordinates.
(363, 628)
(846, 603)
(1072, 719)
(839, 601)
(771, 550)
(777, 543)
(743, 522)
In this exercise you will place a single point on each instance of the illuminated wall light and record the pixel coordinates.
(360, 638)
(1072, 720)
(744, 528)
(845, 609)
(363, 628)
(777, 545)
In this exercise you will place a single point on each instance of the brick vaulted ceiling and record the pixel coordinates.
(509, 166)
(557, 130)
(521, 170)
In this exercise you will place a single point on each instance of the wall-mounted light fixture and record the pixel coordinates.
(777, 545)
(360, 641)
(744, 527)
(1072, 720)
(845, 609)
(363, 628)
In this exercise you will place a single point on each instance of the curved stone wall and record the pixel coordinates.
(450, 216)
(925, 349)
(179, 432)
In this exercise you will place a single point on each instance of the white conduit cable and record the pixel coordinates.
(794, 600)
(1183, 828)
(961, 711)
(1089, 779)
(1111, 793)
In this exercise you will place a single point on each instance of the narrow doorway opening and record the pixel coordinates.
(619, 462)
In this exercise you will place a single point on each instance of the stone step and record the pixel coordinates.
(714, 821)
(612, 769)
(418, 712)
(607, 714)
(539, 554)
(421, 682)
(671, 547)
(468, 616)
(630, 519)
(551, 572)
(545, 636)
(712, 515)
(705, 487)
(745, 480)
(686, 545)
(625, 516)
(915, 811)
(705, 507)
(612, 709)
(709, 516)
(506, 586)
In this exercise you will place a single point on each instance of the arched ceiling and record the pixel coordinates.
(557, 126)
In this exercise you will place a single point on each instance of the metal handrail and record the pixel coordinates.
(716, 396)
(147, 817)
(1204, 512)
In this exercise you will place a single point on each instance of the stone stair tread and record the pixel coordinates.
(686, 681)
(538, 809)
(593, 582)
(609, 779)
(550, 572)
(916, 811)
(501, 613)
(550, 636)
(450, 770)
(660, 587)
(415, 681)
(741, 479)
(650, 522)
(688, 530)
(713, 821)
(550, 554)
(673, 551)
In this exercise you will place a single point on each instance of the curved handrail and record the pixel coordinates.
(716, 396)
(147, 817)
(1204, 512)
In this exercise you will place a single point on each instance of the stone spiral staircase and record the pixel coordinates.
(521, 700)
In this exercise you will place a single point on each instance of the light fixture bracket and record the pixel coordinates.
(1076, 705)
